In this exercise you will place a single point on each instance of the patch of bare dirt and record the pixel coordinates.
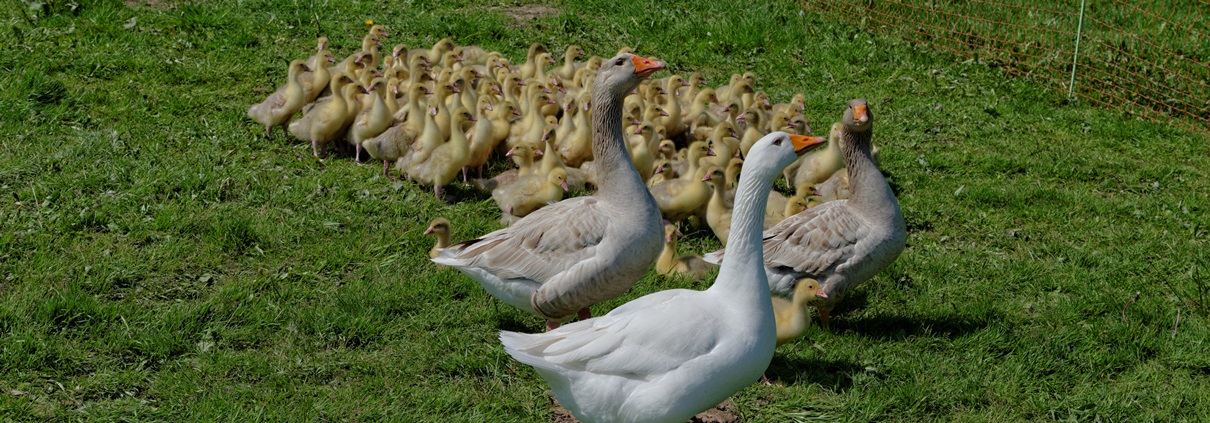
(523, 14)
(154, 4)
(722, 413)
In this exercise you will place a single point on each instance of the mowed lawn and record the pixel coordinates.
(161, 261)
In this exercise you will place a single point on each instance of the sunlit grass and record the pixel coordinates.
(159, 260)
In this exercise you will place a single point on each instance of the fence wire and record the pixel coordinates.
(1147, 58)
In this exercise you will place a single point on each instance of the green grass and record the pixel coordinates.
(1145, 58)
(160, 261)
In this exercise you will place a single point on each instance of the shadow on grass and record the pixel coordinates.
(463, 192)
(514, 322)
(836, 375)
(900, 327)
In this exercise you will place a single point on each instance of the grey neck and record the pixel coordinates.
(616, 175)
(869, 188)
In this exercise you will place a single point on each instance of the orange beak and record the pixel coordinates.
(645, 67)
(803, 143)
(860, 114)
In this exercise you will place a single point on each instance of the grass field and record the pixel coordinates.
(160, 261)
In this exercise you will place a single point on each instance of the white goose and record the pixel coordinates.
(840, 243)
(669, 355)
(567, 256)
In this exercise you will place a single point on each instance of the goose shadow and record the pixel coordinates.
(513, 322)
(835, 375)
(457, 191)
(895, 327)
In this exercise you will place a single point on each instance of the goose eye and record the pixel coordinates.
(619, 62)
(777, 141)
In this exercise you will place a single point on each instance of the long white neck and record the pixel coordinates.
(742, 275)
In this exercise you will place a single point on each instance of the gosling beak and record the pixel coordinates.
(860, 114)
(488, 107)
(803, 143)
(564, 185)
(428, 231)
(644, 67)
(707, 178)
(820, 294)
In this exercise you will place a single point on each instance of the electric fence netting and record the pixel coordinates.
(1146, 58)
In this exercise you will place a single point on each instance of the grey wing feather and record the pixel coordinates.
(814, 242)
(543, 244)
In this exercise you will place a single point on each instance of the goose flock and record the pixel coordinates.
(656, 155)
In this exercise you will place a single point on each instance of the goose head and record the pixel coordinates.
(573, 51)
(461, 116)
(857, 117)
(699, 149)
(667, 149)
(808, 290)
(439, 226)
(777, 150)
(399, 50)
(717, 177)
(534, 49)
(558, 177)
(660, 166)
(624, 72)
(379, 31)
(297, 66)
(749, 77)
(800, 125)
(674, 83)
(443, 45)
(761, 99)
(594, 63)
(671, 233)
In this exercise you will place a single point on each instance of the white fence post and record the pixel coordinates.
(1071, 85)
